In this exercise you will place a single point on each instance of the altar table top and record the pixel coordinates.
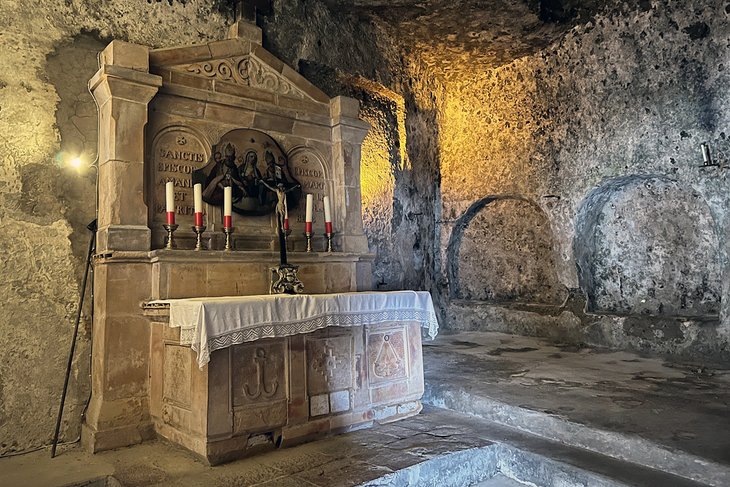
(210, 324)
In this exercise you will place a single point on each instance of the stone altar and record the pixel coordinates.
(161, 113)
(265, 393)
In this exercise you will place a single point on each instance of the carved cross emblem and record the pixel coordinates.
(327, 363)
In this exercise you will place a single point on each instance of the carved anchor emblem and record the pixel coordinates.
(261, 389)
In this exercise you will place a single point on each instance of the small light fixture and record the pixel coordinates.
(76, 163)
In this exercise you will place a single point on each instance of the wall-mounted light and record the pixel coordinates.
(76, 163)
(706, 156)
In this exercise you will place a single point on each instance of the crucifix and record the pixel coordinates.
(284, 279)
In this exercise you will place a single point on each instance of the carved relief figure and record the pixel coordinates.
(248, 158)
(223, 174)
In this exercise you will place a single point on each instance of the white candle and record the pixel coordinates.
(170, 196)
(310, 203)
(227, 200)
(327, 212)
(198, 197)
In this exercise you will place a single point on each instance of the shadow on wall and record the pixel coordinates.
(646, 245)
(397, 197)
(502, 250)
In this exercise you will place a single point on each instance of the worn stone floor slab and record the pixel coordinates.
(642, 409)
(438, 448)
(345, 460)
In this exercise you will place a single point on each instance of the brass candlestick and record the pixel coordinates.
(329, 241)
(170, 243)
(198, 236)
(309, 240)
(228, 231)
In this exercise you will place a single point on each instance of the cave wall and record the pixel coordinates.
(47, 116)
(618, 107)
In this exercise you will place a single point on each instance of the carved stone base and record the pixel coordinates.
(285, 391)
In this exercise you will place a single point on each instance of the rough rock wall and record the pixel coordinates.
(344, 55)
(47, 54)
(46, 117)
(632, 93)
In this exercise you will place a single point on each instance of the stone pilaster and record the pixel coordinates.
(118, 414)
(122, 89)
(348, 132)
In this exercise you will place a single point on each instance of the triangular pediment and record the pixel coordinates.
(240, 63)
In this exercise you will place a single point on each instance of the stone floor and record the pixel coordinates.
(645, 410)
(537, 413)
(386, 453)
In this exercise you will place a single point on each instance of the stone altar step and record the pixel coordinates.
(640, 410)
(438, 448)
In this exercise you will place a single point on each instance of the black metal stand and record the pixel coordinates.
(282, 245)
(92, 243)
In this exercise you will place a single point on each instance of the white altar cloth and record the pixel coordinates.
(210, 324)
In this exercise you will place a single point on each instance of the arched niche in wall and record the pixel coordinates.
(648, 245)
(502, 250)
(310, 169)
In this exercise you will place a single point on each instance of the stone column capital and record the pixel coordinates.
(117, 82)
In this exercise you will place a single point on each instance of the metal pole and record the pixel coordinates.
(92, 240)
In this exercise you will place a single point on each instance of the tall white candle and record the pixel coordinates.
(198, 197)
(227, 200)
(170, 196)
(310, 204)
(327, 213)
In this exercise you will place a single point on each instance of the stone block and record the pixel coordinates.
(319, 405)
(127, 55)
(242, 29)
(344, 106)
(229, 48)
(191, 80)
(122, 134)
(213, 393)
(340, 401)
(126, 352)
(116, 296)
(258, 372)
(303, 106)
(273, 123)
(177, 374)
(178, 106)
(312, 131)
(179, 55)
(121, 193)
(329, 363)
(340, 278)
(272, 61)
(225, 114)
(387, 355)
(259, 417)
(123, 237)
(184, 280)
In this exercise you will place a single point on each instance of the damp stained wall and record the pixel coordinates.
(602, 131)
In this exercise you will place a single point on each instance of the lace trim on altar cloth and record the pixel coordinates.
(427, 320)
